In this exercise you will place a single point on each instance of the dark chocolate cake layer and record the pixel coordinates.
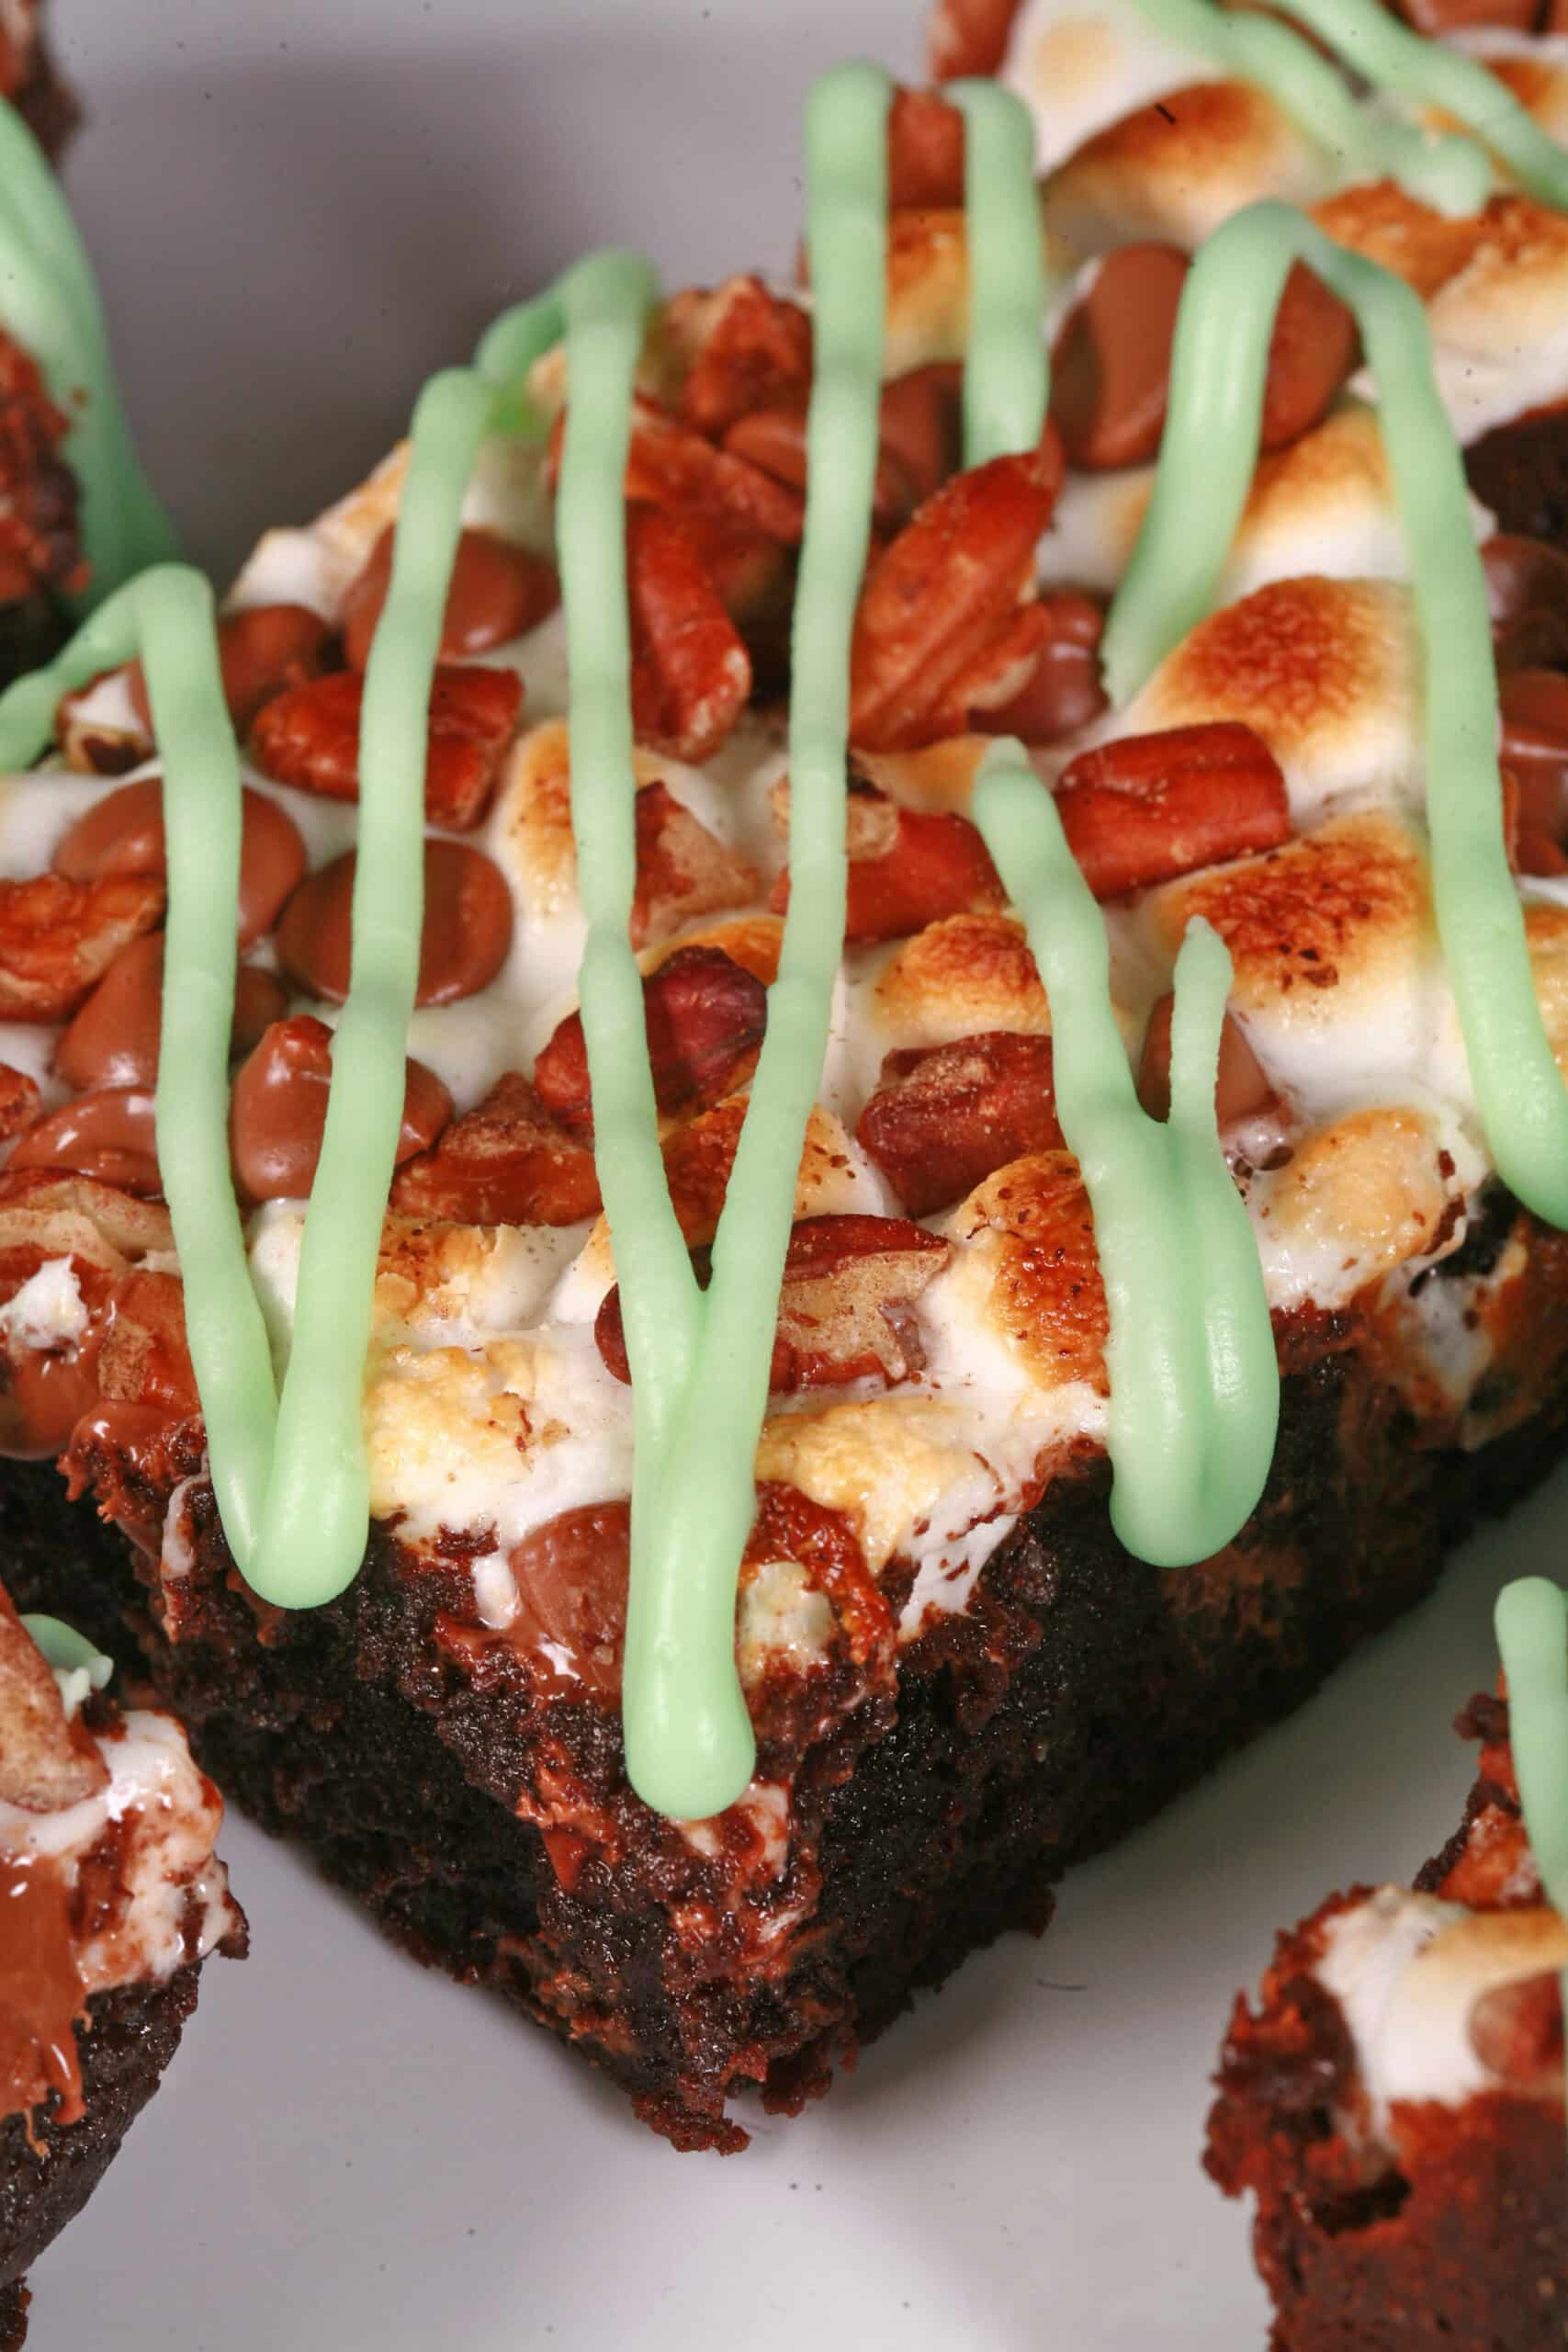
(134, 2033)
(1079, 1691)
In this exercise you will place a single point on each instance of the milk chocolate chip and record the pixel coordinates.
(467, 926)
(1241, 1085)
(278, 1110)
(260, 652)
(1111, 369)
(499, 590)
(110, 1136)
(123, 834)
(113, 1041)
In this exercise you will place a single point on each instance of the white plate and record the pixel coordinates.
(298, 210)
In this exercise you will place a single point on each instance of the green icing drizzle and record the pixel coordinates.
(1206, 460)
(1388, 54)
(1533, 1635)
(289, 1473)
(1194, 1378)
(65, 1651)
(51, 304)
(700, 1359)
(1448, 172)
(1006, 370)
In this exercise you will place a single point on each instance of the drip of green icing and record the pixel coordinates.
(1194, 1378)
(1374, 44)
(1448, 172)
(51, 304)
(1532, 1636)
(65, 1651)
(1218, 369)
(291, 1474)
(700, 1361)
(1007, 369)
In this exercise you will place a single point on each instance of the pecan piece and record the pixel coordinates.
(845, 1309)
(309, 737)
(48, 1758)
(670, 465)
(789, 1525)
(753, 347)
(943, 592)
(19, 1100)
(925, 151)
(691, 672)
(705, 1015)
(504, 1162)
(144, 1358)
(682, 870)
(945, 1117)
(773, 439)
(58, 938)
(908, 867)
(970, 36)
(1147, 807)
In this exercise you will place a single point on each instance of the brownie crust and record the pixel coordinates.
(1079, 1691)
(134, 2033)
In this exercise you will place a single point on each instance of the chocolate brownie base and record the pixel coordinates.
(1467, 2250)
(135, 2032)
(1079, 1691)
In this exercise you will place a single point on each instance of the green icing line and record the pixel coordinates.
(606, 301)
(1194, 1378)
(51, 304)
(700, 1361)
(1532, 1636)
(1218, 369)
(1393, 58)
(65, 1651)
(1448, 172)
(1007, 373)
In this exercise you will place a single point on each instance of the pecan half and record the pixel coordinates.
(58, 938)
(925, 151)
(751, 348)
(505, 1162)
(908, 867)
(309, 737)
(944, 1117)
(969, 36)
(691, 672)
(705, 1016)
(1147, 807)
(945, 589)
(672, 465)
(845, 1309)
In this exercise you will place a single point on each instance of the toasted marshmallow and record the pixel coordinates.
(1323, 670)
(1176, 170)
